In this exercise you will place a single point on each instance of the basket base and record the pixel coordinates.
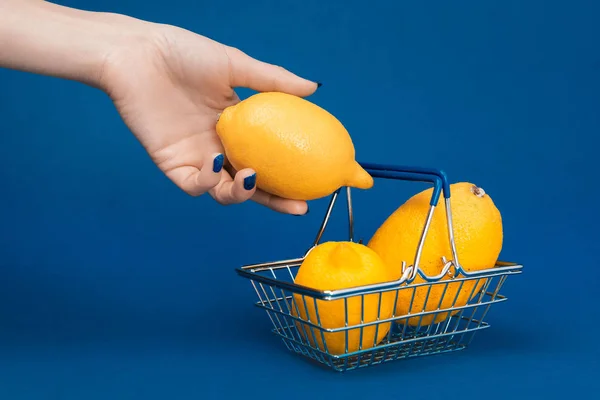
(275, 288)
(399, 346)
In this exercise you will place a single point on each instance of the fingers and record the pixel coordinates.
(214, 178)
(243, 187)
(234, 190)
(196, 182)
(264, 77)
(286, 206)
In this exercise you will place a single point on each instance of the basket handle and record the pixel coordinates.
(410, 173)
(441, 184)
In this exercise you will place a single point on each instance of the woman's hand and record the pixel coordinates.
(168, 84)
(171, 86)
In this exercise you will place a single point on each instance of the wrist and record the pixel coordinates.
(49, 39)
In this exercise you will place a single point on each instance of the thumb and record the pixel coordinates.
(248, 72)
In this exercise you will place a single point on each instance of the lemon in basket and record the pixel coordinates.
(342, 265)
(477, 226)
(298, 150)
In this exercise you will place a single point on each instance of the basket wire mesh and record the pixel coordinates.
(371, 332)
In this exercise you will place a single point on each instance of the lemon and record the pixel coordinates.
(341, 265)
(298, 150)
(477, 226)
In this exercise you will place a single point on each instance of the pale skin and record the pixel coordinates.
(168, 84)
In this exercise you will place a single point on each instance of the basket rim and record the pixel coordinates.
(251, 272)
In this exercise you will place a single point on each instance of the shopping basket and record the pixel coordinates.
(448, 325)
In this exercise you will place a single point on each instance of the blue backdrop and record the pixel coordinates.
(115, 284)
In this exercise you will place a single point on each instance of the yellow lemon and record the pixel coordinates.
(342, 265)
(298, 150)
(477, 226)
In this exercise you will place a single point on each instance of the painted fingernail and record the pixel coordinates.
(319, 84)
(249, 182)
(218, 163)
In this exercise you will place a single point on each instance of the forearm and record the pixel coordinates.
(49, 39)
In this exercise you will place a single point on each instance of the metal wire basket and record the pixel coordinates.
(371, 338)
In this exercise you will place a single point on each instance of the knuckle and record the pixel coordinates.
(219, 197)
(193, 189)
(234, 51)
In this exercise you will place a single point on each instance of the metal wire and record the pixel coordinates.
(452, 329)
(410, 272)
(441, 325)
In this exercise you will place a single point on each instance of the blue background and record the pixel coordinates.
(115, 284)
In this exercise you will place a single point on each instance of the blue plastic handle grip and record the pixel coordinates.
(420, 170)
(417, 174)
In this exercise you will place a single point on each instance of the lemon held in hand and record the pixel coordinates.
(298, 150)
(341, 265)
(477, 225)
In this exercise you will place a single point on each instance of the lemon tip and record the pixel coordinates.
(360, 178)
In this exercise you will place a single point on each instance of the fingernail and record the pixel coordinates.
(218, 163)
(249, 182)
(319, 84)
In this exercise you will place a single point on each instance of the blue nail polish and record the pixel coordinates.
(249, 182)
(319, 84)
(218, 163)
